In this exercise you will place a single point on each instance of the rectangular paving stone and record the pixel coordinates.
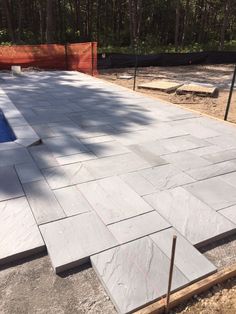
(227, 141)
(133, 280)
(10, 186)
(14, 156)
(182, 143)
(62, 176)
(186, 160)
(115, 165)
(71, 241)
(28, 172)
(19, 233)
(42, 201)
(72, 201)
(221, 156)
(64, 145)
(207, 150)
(137, 227)
(229, 213)
(197, 130)
(212, 170)
(182, 210)
(189, 260)
(43, 157)
(113, 199)
(215, 192)
(71, 159)
(104, 149)
(229, 178)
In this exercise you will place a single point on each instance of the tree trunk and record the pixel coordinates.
(224, 24)
(50, 35)
(9, 20)
(177, 22)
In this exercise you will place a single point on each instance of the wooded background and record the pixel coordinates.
(154, 25)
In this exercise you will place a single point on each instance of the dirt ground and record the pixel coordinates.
(218, 75)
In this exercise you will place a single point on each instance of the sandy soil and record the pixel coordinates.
(217, 75)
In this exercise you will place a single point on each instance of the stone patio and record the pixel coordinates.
(115, 176)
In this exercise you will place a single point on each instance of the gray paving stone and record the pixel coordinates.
(186, 160)
(229, 213)
(71, 241)
(229, 178)
(42, 201)
(14, 156)
(71, 159)
(10, 186)
(197, 130)
(115, 165)
(207, 150)
(64, 145)
(215, 192)
(43, 157)
(212, 170)
(113, 199)
(72, 201)
(182, 210)
(104, 149)
(182, 143)
(189, 260)
(62, 176)
(19, 234)
(221, 156)
(138, 227)
(226, 141)
(28, 172)
(133, 280)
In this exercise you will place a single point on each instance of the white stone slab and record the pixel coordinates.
(71, 241)
(14, 156)
(42, 201)
(137, 227)
(43, 157)
(197, 130)
(221, 156)
(227, 141)
(215, 192)
(28, 172)
(113, 199)
(182, 143)
(72, 201)
(10, 186)
(229, 213)
(19, 234)
(189, 260)
(115, 165)
(182, 210)
(133, 280)
(104, 149)
(212, 170)
(230, 178)
(58, 177)
(207, 150)
(186, 160)
(64, 146)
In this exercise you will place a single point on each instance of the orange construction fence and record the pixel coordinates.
(77, 57)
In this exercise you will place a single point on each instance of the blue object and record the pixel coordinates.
(6, 132)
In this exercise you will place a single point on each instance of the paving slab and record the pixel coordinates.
(189, 260)
(19, 233)
(138, 227)
(104, 149)
(229, 178)
(215, 192)
(133, 280)
(186, 160)
(71, 241)
(64, 146)
(165, 86)
(212, 170)
(115, 165)
(42, 201)
(43, 157)
(182, 143)
(14, 156)
(10, 186)
(113, 199)
(62, 176)
(28, 172)
(229, 213)
(202, 90)
(181, 209)
(221, 156)
(72, 201)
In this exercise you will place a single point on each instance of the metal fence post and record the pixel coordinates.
(230, 95)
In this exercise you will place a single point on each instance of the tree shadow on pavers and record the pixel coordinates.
(76, 104)
(74, 270)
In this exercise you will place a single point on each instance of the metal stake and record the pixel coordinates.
(171, 272)
(230, 95)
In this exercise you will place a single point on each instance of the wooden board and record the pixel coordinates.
(197, 89)
(188, 292)
(164, 86)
